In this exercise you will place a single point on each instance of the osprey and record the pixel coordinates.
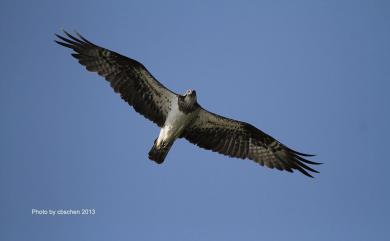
(180, 116)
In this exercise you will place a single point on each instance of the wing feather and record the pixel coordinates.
(242, 140)
(126, 76)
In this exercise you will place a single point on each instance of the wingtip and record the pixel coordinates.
(302, 154)
(61, 30)
(81, 37)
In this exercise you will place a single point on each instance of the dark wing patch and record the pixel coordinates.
(127, 77)
(242, 140)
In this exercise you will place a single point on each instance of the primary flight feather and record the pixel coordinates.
(180, 116)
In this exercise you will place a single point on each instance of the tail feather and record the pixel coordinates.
(158, 154)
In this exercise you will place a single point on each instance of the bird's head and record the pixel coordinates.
(190, 96)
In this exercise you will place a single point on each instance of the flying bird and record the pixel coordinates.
(181, 116)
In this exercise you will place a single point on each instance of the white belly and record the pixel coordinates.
(174, 125)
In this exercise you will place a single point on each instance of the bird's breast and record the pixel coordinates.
(175, 124)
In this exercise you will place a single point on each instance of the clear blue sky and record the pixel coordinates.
(313, 74)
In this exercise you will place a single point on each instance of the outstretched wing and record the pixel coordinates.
(239, 139)
(127, 77)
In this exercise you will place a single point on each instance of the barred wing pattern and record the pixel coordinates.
(127, 77)
(242, 140)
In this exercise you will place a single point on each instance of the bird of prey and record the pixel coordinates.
(181, 116)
